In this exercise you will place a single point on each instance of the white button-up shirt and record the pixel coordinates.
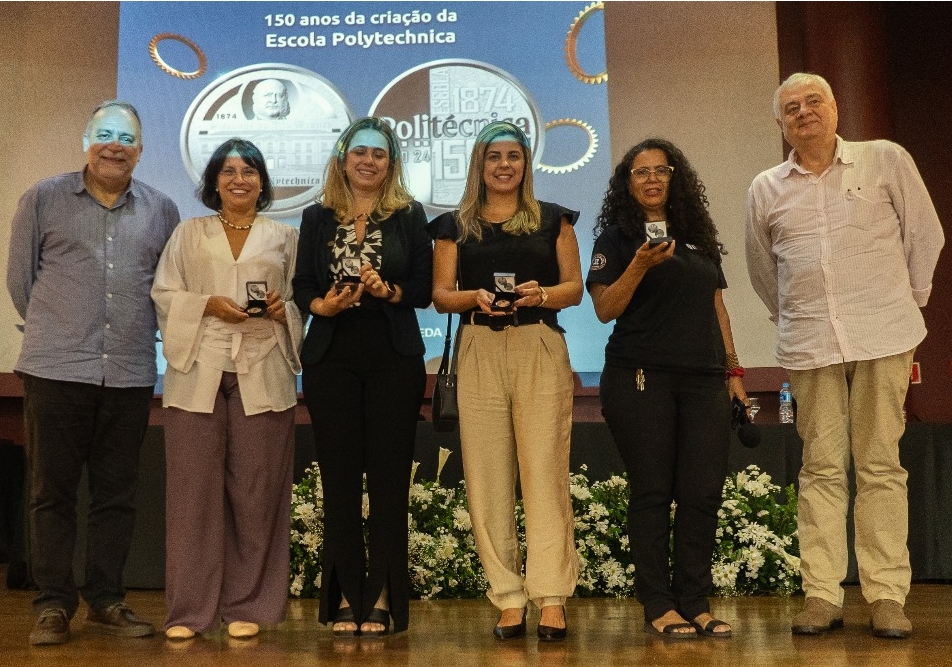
(843, 260)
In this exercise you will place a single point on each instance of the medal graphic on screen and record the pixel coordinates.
(291, 114)
(436, 111)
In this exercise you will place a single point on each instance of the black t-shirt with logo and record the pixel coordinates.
(670, 323)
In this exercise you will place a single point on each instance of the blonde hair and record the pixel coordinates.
(393, 194)
(528, 217)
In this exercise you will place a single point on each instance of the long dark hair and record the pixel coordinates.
(207, 191)
(686, 209)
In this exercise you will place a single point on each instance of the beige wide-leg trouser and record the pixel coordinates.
(515, 395)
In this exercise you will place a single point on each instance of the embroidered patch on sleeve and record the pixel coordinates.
(598, 261)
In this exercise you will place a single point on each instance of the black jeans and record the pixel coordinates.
(674, 437)
(364, 400)
(69, 425)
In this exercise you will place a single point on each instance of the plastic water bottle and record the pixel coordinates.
(786, 404)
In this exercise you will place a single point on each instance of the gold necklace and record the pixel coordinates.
(238, 227)
(358, 217)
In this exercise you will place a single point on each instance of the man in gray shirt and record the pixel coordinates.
(83, 252)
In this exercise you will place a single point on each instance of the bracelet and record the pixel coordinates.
(391, 291)
(545, 297)
(735, 372)
(731, 360)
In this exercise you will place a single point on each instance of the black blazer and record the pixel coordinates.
(407, 261)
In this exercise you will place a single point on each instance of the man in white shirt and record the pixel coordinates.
(842, 240)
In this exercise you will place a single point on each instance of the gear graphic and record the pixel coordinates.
(589, 152)
(168, 69)
(571, 46)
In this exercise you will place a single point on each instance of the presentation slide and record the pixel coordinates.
(291, 76)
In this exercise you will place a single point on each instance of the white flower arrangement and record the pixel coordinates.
(757, 547)
(756, 538)
(601, 536)
(307, 534)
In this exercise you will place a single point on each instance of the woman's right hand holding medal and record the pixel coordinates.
(336, 301)
(225, 309)
(484, 300)
(649, 255)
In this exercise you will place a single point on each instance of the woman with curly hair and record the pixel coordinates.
(656, 271)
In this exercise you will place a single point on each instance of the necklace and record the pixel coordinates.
(238, 227)
(496, 222)
(358, 217)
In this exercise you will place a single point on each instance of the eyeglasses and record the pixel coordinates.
(662, 173)
(108, 137)
(248, 173)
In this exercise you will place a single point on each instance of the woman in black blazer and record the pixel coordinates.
(364, 264)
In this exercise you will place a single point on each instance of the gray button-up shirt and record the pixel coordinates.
(80, 276)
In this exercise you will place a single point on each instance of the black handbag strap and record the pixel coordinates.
(447, 364)
(459, 330)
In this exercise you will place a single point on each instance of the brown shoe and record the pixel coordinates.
(889, 620)
(817, 617)
(118, 620)
(52, 627)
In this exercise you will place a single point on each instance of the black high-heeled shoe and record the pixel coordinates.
(548, 633)
(504, 632)
(346, 615)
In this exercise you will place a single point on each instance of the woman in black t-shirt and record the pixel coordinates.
(656, 271)
(508, 263)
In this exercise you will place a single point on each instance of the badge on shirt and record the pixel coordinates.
(598, 261)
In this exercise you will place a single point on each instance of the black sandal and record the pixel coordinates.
(346, 615)
(381, 616)
(708, 628)
(671, 631)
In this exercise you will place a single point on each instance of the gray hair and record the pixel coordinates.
(799, 79)
(125, 106)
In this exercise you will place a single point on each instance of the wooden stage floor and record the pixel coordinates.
(602, 632)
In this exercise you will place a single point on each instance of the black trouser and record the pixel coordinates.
(674, 438)
(364, 400)
(69, 425)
